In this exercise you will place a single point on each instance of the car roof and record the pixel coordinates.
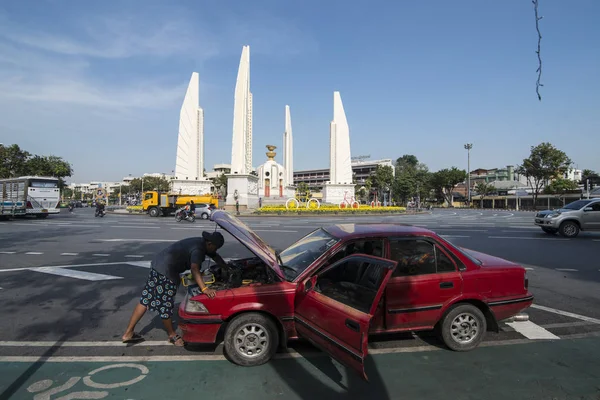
(348, 231)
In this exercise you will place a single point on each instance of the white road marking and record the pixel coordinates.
(8, 252)
(566, 313)
(454, 236)
(133, 256)
(34, 253)
(596, 240)
(217, 357)
(529, 268)
(137, 240)
(133, 226)
(69, 254)
(143, 264)
(273, 230)
(101, 255)
(567, 269)
(524, 238)
(70, 273)
(531, 330)
(107, 343)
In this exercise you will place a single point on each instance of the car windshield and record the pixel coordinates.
(576, 205)
(296, 258)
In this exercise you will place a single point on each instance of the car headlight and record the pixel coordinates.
(195, 307)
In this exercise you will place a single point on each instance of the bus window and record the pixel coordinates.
(43, 184)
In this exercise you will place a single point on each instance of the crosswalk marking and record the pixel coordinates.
(73, 273)
(531, 330)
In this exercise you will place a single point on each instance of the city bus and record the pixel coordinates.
(29, 195)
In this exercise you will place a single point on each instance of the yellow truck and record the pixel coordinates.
(159, 203)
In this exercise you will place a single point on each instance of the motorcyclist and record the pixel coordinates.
(100, 207)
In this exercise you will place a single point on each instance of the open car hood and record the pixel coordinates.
(248, 238)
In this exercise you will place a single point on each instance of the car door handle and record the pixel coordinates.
(446, 285)
(353, 325)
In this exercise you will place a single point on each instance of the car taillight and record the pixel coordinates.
(526, 281)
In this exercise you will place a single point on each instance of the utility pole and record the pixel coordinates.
(588, 188)
(468, 147)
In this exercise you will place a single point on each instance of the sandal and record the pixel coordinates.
(175, 339)
(135, 338)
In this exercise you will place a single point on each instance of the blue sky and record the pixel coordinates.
(101, 83)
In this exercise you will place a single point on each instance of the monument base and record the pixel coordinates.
(242, 189)
(333, 193)
(289, 191)
(197, 188)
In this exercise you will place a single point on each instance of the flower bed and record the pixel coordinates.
(135, 209)
(329, 209)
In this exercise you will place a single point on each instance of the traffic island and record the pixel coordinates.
(312, 209)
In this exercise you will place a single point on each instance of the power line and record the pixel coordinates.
(539, 70)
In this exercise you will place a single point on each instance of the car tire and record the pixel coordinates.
(463, 327)
(569, 229)
(251, 339)
(204, 215)
(154, 212)
(550, 231)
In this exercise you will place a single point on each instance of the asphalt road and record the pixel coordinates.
(70, 282)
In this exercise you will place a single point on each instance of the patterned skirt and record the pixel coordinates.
(158, 294)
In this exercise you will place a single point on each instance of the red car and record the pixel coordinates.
(339, 284)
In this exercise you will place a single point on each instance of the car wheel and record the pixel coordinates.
(204, 216)
(550, 231)
(251, 339)
(154, 212)
(569, 229)
(463, 328)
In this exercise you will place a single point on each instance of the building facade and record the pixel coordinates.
(361, 170)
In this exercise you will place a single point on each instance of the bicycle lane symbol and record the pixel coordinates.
(45, 392)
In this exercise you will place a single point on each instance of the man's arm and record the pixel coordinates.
(219, 260)
(195, 268)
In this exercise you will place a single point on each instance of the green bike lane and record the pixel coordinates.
(561, 369)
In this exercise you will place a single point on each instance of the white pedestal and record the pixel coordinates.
(334, 193)
(289, 191)
(247, 191)
(186, 186)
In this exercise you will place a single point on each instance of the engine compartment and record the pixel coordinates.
(242, 272)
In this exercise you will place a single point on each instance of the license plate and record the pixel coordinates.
(44, 210)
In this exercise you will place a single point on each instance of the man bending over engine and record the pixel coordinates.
(161, 287)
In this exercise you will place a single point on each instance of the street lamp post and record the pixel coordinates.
(468, 147)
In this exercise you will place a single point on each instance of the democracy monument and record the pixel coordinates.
(271, 181)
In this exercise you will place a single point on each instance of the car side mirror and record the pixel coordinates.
(310, 284)
(588, 209)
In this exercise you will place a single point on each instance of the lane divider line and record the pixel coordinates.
(566, 313)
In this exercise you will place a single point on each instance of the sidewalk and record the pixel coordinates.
(562, 369)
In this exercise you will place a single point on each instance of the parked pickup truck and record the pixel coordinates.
(580, 215)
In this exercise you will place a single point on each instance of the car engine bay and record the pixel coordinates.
(244, 272)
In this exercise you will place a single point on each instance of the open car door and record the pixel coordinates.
(334, 307)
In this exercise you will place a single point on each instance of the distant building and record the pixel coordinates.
(361, 170)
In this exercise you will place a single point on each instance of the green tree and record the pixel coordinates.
(483, 189)
(220, 183)
(444, 182)
(160, 184)
(49, 166)
(67, 193)
(302, 191)
(412, 179)
(560, 186)
(382, 179)
(13, 161)
(544, 164)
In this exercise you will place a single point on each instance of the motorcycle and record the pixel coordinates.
(100, 213)
(181, 215)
